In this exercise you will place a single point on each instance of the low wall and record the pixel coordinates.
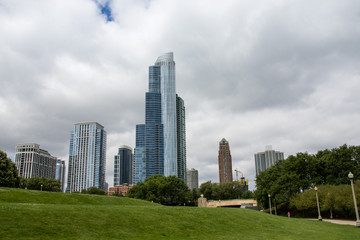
(202, 202)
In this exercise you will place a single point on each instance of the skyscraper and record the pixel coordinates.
(264, 160)
(225, 163)
(157, 140)
(32, 161)
(192, 178)
(123, 166)
(181, 138)
(60, 173)
(87, 157)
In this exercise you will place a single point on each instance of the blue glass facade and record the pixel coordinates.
(168, 111)
(156, 140)
(87, 157)
(123, 166)
(139, 152)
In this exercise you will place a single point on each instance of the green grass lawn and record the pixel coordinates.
(26, 214)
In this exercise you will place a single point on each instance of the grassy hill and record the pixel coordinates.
(26, 214)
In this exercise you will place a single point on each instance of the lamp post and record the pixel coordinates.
(318, 205)
(269, 195)
(351, 176)
(41, 187)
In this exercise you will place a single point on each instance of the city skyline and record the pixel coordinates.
(257, 73)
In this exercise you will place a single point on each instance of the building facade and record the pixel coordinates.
(32, 161)
(120, 190)
(87, 157)
(157, 140)
(225, 162)
(181, 138)
(123, 166)
(264, 160)
(60, 173)
(192, 178)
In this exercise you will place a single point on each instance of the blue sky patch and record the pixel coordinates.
(105, 10)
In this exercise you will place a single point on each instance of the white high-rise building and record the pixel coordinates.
(87, 157)
(168, 111)
(264, 160)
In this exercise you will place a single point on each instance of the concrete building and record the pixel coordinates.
(87, 157)
(123, 166)
(225, 162)
(32, 161)
(192, 178)
(264, 160)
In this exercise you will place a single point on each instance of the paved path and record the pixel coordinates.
(341, 222)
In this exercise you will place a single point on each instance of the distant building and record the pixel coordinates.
(120, 189)
(264, 160)
(244, 183)
(106, 187)
(31, 161)
(192, 178)
(60, 173)
(123, 166)
(225, 162)
(87, 157)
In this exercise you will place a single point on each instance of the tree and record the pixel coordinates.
(8, 172)
(160, 189)
(93, 190)
(300, 172)
(44, 184)
(223, 191)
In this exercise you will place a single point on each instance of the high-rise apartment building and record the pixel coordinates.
(32, 161)
(157, 150)
(264, 160)
(192, 178)
(181, 138)
(87, 157)
(60, 173)
(225, 162)
(123, 166)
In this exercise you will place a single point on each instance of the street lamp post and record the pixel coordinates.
(318, 205)
(270, 203)
(351, 176)
(41, 187)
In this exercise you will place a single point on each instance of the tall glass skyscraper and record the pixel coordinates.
(87, 157)
(123, 166)
(156, 149)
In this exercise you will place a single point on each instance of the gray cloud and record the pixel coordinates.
(281, 73)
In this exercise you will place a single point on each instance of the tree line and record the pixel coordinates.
(303, 171)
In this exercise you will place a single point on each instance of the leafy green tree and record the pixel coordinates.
(8, 172)
(93, 190)
(207, 190)
(160, 189)
(300, 172)
(223, 191)
(44, 184)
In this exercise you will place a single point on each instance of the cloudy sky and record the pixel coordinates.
(284, 73)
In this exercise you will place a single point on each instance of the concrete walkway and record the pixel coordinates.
(341, 222)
